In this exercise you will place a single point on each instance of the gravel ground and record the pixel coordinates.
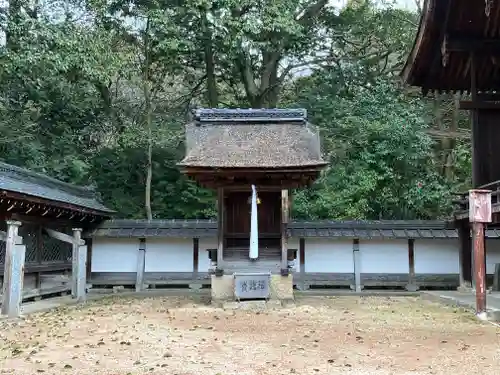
(320, 335)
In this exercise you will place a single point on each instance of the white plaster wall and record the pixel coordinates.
(328, 255)
(437, 256)
(384, 256)
(114, 254)
(169, 255)
(203, 260)
(492, 254)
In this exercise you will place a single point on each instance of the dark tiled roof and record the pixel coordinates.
(155, 228)
(315, 229)
(373, 229)
(252, 139)
(23, 181)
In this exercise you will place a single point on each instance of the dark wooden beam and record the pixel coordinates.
(481, 45)
(470, 105)
(24, 200)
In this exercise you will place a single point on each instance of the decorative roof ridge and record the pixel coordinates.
(249, 115)
(27, 175)
(372, 224)
(295, 224)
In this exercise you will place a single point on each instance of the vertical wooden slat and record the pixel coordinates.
(357, 265)
(302, 253)
(220, 227)
(89, 258)
(141, 264)
(412, 285)
(302, 264)
(39, 249)
(284, 227)
(196, 255)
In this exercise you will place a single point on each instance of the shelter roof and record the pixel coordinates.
(449, 32)
(391, 229)
(20, 183)
(252, 138)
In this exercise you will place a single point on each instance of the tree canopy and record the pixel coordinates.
(97, 92)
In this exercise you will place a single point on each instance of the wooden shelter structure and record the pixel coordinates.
(41, 220)
(457, 49)
(252, 157)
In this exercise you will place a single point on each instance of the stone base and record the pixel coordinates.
(222, 288)
(412, 288)
(281, 288)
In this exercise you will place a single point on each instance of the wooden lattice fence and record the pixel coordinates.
(40, 247)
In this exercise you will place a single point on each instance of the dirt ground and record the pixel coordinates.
(320, 335)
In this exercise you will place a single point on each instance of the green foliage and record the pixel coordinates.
(84, 94)
(381, 161)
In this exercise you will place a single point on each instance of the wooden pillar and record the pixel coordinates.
(79, 267)
(412, 282)
(464, 255)
(141, 263)
(479, 267)
(476, 147)
(15, 253)
(220, 228)
(195, 284)
(39, 249)
(284, 228)
(356, 257)
(89, 258)
(479, 214)
(302, 265)
(473, 258)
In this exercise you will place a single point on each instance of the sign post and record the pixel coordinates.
(479, 215)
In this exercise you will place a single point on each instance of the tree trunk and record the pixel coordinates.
(212, 95)
(148, 123)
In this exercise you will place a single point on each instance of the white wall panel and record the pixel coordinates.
(169, 255)
(328, 255)
(384, 256)
(114, 254)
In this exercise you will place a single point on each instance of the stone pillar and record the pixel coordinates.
(220, 230)
(141, 262)
(79, 267)
(15, 253)
(356, 257)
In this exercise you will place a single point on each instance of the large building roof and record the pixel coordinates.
(252, 138)
(449, 32)
(35, 185)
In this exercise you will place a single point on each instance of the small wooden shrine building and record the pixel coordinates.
(41, 221)
(253, 158)
(457, 49)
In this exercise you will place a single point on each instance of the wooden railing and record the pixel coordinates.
(462, 203)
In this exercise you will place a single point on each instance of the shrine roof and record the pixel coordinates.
(252, 138)
(449, 32)
(388, 229)
(27, 184)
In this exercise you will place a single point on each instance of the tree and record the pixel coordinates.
(381, 164)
